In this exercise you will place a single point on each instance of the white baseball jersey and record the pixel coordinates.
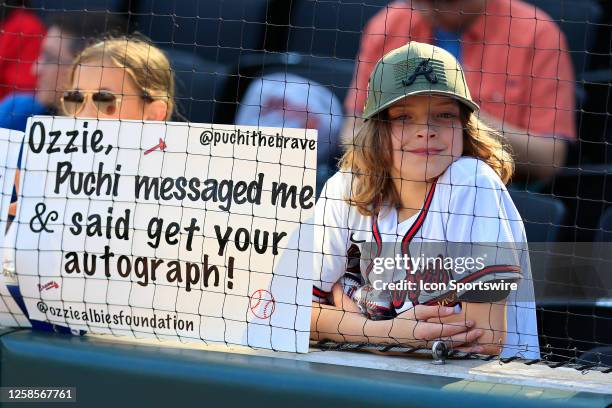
(468, 214)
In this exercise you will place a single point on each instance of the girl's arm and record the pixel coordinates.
(345, 324)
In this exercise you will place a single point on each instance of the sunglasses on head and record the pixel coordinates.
(105, 102)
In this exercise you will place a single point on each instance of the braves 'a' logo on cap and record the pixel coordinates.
(424, 68)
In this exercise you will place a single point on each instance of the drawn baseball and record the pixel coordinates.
(262, 304)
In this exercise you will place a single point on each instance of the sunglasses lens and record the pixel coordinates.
(106, 102)
(73, 101)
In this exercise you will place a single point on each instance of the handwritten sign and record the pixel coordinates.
(168, 229)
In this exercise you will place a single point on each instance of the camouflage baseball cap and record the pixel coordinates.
(415, 69)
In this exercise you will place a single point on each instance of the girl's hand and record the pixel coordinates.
(489, 317)
(417, 327)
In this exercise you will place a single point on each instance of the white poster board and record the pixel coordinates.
(168, 229)
(10, 312)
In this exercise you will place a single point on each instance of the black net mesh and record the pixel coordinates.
(540, 71)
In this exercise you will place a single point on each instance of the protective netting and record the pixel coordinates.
(211, 233)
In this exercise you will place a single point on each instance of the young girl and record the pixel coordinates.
(121, 78)
(416, 237)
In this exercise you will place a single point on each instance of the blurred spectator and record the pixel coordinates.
(290, 101)
(115, 78)
(516, 62)
(123, 77)
(21, 35)
(69, 32)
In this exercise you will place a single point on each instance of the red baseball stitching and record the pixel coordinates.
(260, 297)
(265, 310)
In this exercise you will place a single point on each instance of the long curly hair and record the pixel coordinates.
(369, 157)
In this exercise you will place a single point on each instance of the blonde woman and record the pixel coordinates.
(118, 78)
(121, 78)
(422, 177)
